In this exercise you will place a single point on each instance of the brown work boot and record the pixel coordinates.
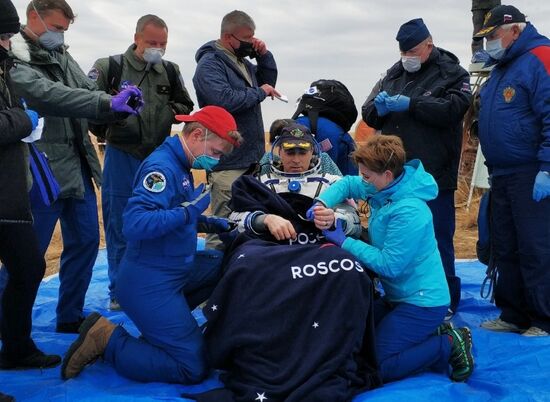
(95, 333)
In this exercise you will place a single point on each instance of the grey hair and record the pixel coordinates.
(236, 19)
(150, 19)
(520, 25)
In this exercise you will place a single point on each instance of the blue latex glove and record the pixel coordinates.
(541, 189)
(199, 203)
(380, 103)
(119, 102)
(214, 223)
(33, 116)
(398, 103)
(337, 235)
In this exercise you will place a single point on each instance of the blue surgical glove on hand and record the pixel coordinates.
(398, 103)
(337, 235)
(213, 224)
(199, 203)
(541, 189)
(380, 103)
(33, 116)
(119, 102)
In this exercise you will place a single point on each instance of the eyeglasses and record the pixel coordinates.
(6, 36)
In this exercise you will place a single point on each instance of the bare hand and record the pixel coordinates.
(323, 217)
(270, 91)
(259, 46)
(279, 227)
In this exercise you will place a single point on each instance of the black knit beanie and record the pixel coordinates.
(9, 20)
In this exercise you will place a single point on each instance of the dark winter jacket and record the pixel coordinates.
(53, 84)
(431, 129)
(219, 82)
(514, 118)
(14, 125)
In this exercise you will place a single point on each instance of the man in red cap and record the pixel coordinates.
(162, 277)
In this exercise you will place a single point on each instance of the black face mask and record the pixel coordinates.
(245, 49)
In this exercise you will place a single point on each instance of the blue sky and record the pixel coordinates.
(350, 40)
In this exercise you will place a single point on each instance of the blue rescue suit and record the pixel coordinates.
(514, 134)
(161, 277)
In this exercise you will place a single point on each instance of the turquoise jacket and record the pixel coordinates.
(403, 249)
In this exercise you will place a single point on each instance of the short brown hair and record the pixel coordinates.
(380, 153)
(150, 19)
(43, 7)
(236, 19)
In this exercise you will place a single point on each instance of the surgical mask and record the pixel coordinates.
(245, 49)
(495, 49)
(153, 55)
(203, 161)
(411, 64)
(50, 39)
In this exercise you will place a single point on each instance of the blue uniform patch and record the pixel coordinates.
(154, 182)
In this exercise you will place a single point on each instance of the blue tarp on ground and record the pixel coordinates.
(509, 367)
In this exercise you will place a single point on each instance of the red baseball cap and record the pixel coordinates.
(216, 119)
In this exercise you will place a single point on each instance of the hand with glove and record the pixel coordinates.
(541, 189)
(199, 203)
(337, 235)
(212, 224)
(129, 100)
(380, 103)
(398, 103)
(322, 216)
(33, 116)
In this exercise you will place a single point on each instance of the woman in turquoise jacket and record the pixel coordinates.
(402, 251)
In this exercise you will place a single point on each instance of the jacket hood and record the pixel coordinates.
(528, 40)
(208, 47)
(415, 182)
(20, 48)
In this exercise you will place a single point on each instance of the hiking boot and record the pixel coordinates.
(95, 333)
(6, 398)
(114, 306)
(535, 331)
(444, 328)
(461, 360)
(69, 327)
(500, 325)
(35, 360)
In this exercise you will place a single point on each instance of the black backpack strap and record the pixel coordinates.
(115, 73)
(172, 78)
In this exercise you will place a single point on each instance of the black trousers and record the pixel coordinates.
(22, 258)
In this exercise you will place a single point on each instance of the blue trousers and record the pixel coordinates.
(118, 176)
(159, 299)
(405, 340)
(521, 239)
(80, 232)
(443, 211)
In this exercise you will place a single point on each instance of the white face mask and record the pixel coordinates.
(153, 55)
(495, 49)
(411, 63)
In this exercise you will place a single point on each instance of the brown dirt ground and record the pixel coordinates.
(465, 236)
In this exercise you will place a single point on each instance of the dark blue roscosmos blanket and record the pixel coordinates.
(292, 322)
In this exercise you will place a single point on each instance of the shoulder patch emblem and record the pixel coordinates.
(154, 182)
(93, 74)
(508, 94)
